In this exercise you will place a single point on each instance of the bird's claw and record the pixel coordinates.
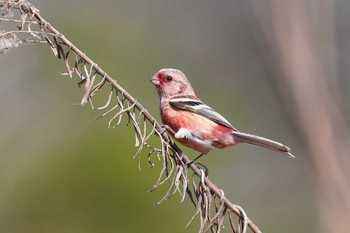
(163, 130)
(167, 128)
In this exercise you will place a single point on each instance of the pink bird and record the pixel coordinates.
(195, 124)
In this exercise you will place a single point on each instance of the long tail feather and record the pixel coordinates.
(263, 142)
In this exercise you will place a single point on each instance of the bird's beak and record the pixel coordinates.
(155, 81)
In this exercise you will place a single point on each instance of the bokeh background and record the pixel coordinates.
(274, 68)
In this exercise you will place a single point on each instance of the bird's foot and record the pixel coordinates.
(167, 128)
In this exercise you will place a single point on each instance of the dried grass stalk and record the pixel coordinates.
(212, 206)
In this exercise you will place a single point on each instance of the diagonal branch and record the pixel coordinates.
(210, 201)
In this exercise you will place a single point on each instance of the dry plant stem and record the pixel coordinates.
(88, 77)
(218, 192)
(158, 127)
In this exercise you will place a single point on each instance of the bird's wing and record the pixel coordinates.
(194, 105)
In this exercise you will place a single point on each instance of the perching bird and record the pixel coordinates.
(195, 124)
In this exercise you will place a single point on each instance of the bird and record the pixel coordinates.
(196, 125)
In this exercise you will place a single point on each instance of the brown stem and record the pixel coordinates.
(28, 7)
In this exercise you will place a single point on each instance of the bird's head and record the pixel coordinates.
(171, 82)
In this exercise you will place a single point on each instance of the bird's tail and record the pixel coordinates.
(263, 142)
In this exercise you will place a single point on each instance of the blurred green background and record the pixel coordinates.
(61, 173)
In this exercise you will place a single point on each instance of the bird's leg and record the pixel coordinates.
(195, 159)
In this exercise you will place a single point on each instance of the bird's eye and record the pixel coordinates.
(169, 78)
